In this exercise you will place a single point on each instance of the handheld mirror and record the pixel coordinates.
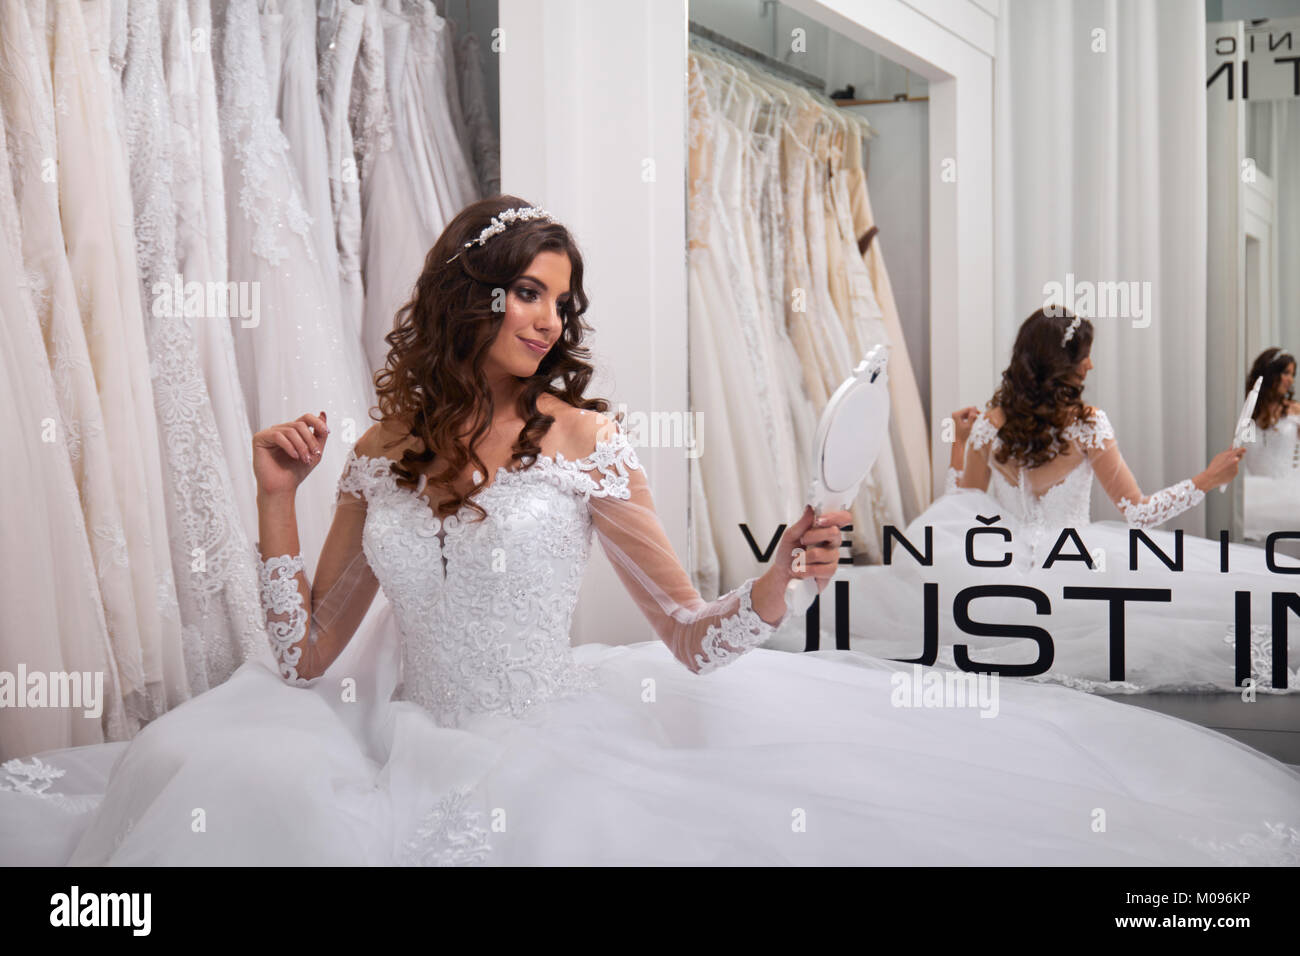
(1244, 420)
(852, 431)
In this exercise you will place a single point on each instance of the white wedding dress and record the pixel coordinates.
(214, 567)
(297, 356)
(27, 104)
(507, 745)
(44, 546)
(96, 210)
(1271, 495)
(1180, 642)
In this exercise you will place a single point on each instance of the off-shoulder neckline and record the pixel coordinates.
(538, 463)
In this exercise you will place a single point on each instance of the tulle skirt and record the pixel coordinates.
(823, 758)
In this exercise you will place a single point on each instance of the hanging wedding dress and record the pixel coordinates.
(879, 500)
(216, 576)
(295, 354)
(299, 110)
(908, 430)
(439, 169)
(52, 622)
(337, 61)
(26, 101)
(394, 240)
(95, 205)
(200, 245)
(764, 334)
(509, 746)
(201, 231)
(730, 365)
(1179, 627)
(482, 137)
(706, 570)
(772, 272)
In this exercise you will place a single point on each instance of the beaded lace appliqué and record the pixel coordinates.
(34, 779)
(451, 834)
(281, 595)
(733, 636)
(1273, 844)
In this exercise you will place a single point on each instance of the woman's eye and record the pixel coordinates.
(527, 294)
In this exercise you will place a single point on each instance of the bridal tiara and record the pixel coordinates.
(1069, 333)
(503, 219)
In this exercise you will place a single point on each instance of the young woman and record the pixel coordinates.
(1274, 451)
(1271, 497)
(1023, 470)
(463, 728)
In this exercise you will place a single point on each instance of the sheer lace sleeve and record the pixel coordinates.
(1143, 511)
(703, 635)
(310, 622)
(975, 460)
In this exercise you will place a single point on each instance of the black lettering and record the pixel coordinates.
(960, 611)
(1117, 597)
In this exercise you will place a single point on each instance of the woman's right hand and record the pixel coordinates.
(963, 420)
(1221, 470)
(285, 454)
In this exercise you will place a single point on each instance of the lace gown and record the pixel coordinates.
(44, 547)
(1183, 643)
(214, 567)
(96, 210)
(394, 239)
(295, 353)
(1272, 482)
(27, 105)
(506, 745)
(732, 364)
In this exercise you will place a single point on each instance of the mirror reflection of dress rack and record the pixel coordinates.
(788, 290)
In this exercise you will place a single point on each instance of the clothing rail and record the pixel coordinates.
(771, 64)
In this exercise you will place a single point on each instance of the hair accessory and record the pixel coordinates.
(1069, 333)
(506, 218)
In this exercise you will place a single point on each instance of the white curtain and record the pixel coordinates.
(1100, 154)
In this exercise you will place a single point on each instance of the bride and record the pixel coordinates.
(460, 726)
(1022, 475)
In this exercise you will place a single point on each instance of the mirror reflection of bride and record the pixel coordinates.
(1022, 472)
(1271, 497)
(1275, 450)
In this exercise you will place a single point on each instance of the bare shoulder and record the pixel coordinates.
(578, 429)
(388, 439)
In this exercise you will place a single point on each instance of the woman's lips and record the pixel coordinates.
(536, 347)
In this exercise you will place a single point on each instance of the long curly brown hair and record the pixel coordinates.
(1040, 393)
(1273, 400)
(433, 375)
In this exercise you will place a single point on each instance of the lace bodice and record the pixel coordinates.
(1057, 495)
(1275, 453)
(484, 606)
